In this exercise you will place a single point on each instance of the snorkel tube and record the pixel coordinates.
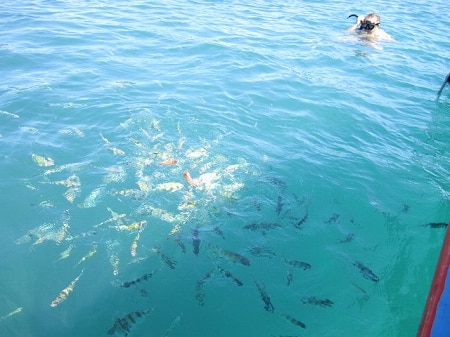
(447, 80)
(357, 17)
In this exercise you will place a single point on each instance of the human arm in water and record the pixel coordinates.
(357, 24)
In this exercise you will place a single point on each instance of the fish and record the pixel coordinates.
(348, 238)
(298, 264)
(130, 192)
(436, 225)
(268, 306)
(200, 289)
(262, 251)
(195, 242)
(138, 225)
(114, 150)
(144, 277)
(93, 198)
(89, 254)
(228, 274)
(114, 262)
(366, 272)
(65, 254)
(42, 161)
(279, 206)
(168, 162)
(262, 226)
(169, 187)
(234, 257)
(180, 244)
(294, 321)
(12, 313)
(301, 221)
(333, 218)
(219, 232)
(188, 178)
(175, 229)
(65, 292)
(115, 217)
(61, 234)
(167, 260)
(174, 323)
(200, 293)
(71, 194)
(72, 181)
(134, 244)
(325, 302)
(123, 325)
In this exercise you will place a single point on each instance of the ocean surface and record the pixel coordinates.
(220, 168)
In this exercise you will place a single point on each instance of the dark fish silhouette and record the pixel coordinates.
(298, 264)
(446, 80)
(218, 231)
(348, 238)
(294, 321)
(200, 289)
(181, 244)
(366, 272)
(167, 260)
(280, 205)
(268, 306)
(325, 302)
(436, 225)
(200, 293)
(228, 274)
(301, 221)
(195, 242)
(123, 325)
(263, 226)
(135, 282)
(333, 218)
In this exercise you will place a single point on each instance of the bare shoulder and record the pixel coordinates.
(382, 35)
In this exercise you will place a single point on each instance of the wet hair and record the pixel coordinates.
(374, 17)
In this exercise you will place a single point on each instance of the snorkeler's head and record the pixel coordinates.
(370, 22)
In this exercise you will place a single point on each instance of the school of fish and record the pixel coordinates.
(162, 185)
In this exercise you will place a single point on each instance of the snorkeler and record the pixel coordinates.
(447, 80)
(369, 27)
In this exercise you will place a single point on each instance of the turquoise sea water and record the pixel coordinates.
(317, 159)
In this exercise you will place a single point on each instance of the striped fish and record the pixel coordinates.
(65, 292)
